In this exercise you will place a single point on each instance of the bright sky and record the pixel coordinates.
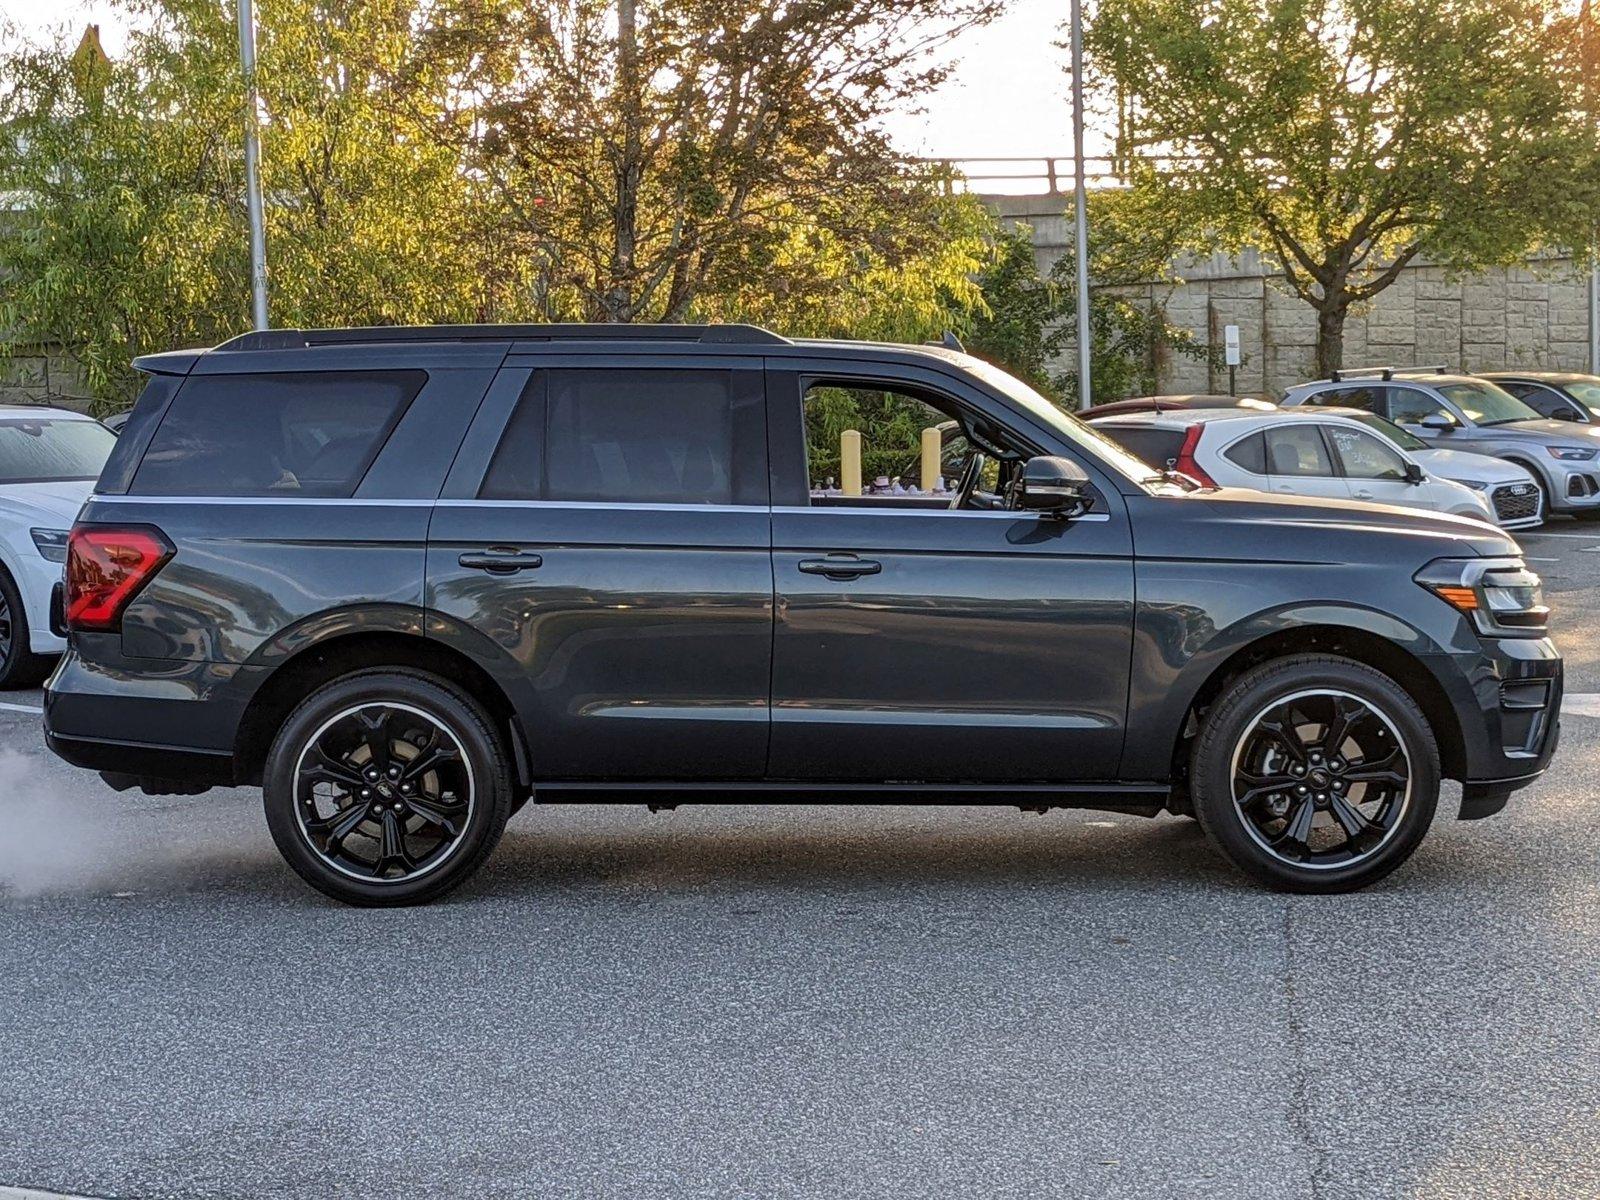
(1007, 97)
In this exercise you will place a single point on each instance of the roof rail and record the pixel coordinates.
(294, 339)
(1385, 373)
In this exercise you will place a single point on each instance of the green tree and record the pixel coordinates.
(418, 167)
(1029, 322)
(663, 158)
(1346, 138)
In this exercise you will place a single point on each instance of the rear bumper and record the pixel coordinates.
(120, 717)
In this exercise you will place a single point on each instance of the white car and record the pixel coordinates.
(1325, 453)
(49, 461)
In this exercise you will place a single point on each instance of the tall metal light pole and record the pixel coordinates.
(252, 167)
(1080, 206)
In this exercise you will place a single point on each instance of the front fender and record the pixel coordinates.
(1177, 649)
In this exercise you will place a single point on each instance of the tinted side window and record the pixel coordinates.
(1357, 397)
(1249, 453)
(1333, 397)
(1407, 406)
(664, 436)
(1544, 401)
(1297, 450)
(286, 434)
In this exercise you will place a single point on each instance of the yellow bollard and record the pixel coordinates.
(850, 462)
(932, 452)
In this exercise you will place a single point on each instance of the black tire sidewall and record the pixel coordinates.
(1211, 769)
(22, 667)
(442, 702)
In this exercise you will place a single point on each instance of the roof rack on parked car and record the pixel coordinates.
(294, 339)
(1386, 373)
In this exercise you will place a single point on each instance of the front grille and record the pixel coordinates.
(1516, 501)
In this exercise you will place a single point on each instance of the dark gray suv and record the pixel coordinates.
(408, 579)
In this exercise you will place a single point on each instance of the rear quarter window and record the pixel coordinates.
(282, 434)
(1249, 453)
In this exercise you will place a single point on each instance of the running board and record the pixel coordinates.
(1141, 799)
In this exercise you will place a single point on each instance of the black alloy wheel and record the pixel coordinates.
(1315, 773)
(383, 791)
(387, 787)
(1321, 779)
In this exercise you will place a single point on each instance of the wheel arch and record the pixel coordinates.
(323, 661)
(1359, 644)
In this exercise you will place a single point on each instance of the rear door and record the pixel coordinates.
(1299, 463)
(918, 643)
(605, 538)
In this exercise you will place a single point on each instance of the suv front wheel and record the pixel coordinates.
(1315, 774)
(387, 787)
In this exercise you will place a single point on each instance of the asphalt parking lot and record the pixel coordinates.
(748, 1001)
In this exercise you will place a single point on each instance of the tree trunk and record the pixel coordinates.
(620, 305)
(1330, 336)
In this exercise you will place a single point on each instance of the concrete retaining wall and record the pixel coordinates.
(1535, 315)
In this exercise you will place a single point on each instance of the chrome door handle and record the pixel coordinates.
(1363, 494)
(501, 562)
(840, 566)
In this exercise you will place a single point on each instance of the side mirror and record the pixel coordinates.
(1049, 484)
(1415, 474)
(1438, 421)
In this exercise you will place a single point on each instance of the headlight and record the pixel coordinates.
(1500, 595)
(51, 543)
(1572, 453)
(1476, 485)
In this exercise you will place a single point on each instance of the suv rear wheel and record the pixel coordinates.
(387, 787)
(1315, 774)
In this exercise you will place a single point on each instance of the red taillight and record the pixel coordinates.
(1185, 462)
(106, 567)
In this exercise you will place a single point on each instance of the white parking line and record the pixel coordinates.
(38, 712)
(16, 1193)
(1580, 704)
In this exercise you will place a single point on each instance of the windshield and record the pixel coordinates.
(39, 450)
(1069, 427)
(1486, 404)
(1406, 441)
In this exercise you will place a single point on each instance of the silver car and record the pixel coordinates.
(1463, 412)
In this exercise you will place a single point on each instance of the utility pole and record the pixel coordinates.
(252, 167)
(1080, 207)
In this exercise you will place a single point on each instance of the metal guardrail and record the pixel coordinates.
(1037, 175)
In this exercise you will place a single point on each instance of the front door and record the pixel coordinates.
(1375, 472)
(937, 637)
(604, 538)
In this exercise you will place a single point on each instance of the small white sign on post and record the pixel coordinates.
(1230, 345)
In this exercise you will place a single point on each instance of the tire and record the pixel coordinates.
(338, 815)
(20, 667)
(1295, 823)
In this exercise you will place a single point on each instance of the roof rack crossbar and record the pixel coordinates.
(1385, 373)
(289, 339)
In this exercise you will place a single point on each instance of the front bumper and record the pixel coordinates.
(1507, 697)
(1575, 487)
(36, 579)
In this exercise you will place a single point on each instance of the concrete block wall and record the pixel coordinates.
(41, 377)
(1532, 315)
